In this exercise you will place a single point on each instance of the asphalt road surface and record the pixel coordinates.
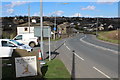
(91, 58)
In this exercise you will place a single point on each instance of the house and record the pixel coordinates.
(101, 27)
(110, 27)
(63, 28)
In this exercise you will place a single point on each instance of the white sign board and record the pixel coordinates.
(26, 66)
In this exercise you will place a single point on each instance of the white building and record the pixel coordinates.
(24, 30)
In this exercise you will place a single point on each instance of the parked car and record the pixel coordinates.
(27, 39)
(7, 46)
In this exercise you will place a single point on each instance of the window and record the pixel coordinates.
(4, 43)
(25, 29)
(19, 37)
(7, 44)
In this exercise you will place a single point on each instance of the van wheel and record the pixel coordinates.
(32, 44)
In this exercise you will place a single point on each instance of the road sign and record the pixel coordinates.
(46, 31)
(26, 66)
(54, 28)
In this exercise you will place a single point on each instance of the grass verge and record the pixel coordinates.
(55, 69)
(109, 36)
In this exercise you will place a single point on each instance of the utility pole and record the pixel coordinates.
(41, 25)
(97, 28)
(54, 27)
(29, 17)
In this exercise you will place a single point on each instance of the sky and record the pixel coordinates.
(67, 9)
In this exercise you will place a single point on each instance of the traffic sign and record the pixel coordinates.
(54, 28)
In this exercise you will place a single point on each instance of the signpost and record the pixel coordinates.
(46, 33)
(26, 66)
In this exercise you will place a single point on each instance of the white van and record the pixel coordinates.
(27, 39)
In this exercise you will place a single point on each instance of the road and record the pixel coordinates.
(92, 58)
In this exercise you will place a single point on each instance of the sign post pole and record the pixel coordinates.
(49, 44)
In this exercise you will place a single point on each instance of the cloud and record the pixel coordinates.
(9, 7)
(10, 11)
(76, 15)
(56, 13)
(36, 14)
(89, 8)
(17, 3)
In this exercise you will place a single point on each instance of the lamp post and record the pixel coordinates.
(29, 17)
(41, 25)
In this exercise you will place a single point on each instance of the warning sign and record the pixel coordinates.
(26, 66)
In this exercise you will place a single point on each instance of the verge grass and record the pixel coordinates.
(109, 36)
(56, 70)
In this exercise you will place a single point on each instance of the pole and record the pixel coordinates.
(29, 17)
(54, 27)
(41, 25)
(97, 28)
(49, 30)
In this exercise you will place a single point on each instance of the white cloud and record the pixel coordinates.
(36, 14)
(76, 15)
(58, 13)
(89, 8)
(10, 11)
(17, 3)
(10, 6)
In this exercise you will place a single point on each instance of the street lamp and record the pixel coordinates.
(29, 17)
(41, 25)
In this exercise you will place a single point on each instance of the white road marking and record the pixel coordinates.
(102, 73)
(79, 57)
(64, 44)
(116, 52)
(68, 47)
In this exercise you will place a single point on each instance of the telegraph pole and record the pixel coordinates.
(97, 28)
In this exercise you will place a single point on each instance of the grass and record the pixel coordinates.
(109, 36)
(56, 69)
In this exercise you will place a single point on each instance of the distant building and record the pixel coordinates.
(23, 30)
(34, 21)
(101, 27)
(110, 26)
